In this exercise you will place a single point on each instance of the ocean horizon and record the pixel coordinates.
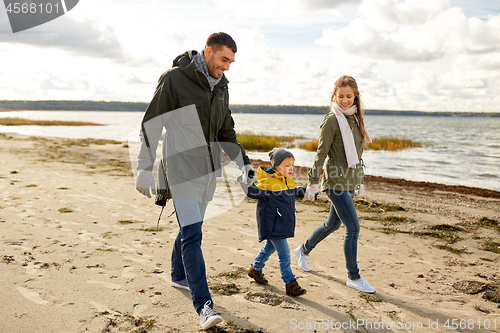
(458, 150)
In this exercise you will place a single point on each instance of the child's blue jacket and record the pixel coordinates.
(275, 196)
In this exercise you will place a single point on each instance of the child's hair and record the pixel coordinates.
(345, 81)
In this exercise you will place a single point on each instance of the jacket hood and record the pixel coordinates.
(185, 62)
(270, 180)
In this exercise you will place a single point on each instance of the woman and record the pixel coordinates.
(341, 139)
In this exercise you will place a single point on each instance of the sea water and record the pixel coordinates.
(457, 150)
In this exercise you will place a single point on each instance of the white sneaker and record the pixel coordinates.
(208, 317)
(361, 285)
(302, 259)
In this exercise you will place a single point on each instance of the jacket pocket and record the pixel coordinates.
(199, 104)
(220, 109)
(185, 132)
(277, 219)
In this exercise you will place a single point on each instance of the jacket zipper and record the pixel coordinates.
(209, 130)
(291, 203)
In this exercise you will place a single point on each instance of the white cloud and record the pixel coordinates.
(257, 67)
(90, 36)
(387, 13)
(483, 36)
(413, 31)
(485, 63)
(424, 55)
(242, 9)
(405, 54)
(288, 12)
(326, 4)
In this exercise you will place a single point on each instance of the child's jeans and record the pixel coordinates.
(280, 245)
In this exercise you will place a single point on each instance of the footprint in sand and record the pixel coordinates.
(88, 237)
(33, 268)
(32, 296)
(237, 250)
(139, 260)
(127, 273)
(244, 231)
(105, 284)
(103, 309)
(139, 310)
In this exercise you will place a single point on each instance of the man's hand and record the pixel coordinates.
(311, 192)
(145, 182)
(248, 174)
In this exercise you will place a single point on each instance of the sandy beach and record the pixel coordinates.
(80, 252)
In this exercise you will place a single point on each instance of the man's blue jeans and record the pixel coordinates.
(187, 258)
(342, 210)
(281, 246)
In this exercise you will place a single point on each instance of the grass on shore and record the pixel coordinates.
(10, 121)
(382, 143)
(392, 143)
(263, 142)
(267, 142)
(310, 145)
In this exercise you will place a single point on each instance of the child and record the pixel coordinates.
(275, 194)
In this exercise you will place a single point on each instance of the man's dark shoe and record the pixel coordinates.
(258, 276)
(293, 289)
(182, 284)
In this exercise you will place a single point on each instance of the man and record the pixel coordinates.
(191, 103)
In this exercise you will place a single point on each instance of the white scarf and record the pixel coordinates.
(351, 153)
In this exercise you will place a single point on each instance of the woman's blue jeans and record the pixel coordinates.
(187, 258)
(342, 210)
(281, 246)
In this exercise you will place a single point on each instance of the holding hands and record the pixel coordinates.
(248, 174)
(311, 192)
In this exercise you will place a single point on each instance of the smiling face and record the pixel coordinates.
(345, 97)
(219, 60)
(286, 167)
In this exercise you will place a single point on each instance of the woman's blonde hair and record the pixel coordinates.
(345, 81)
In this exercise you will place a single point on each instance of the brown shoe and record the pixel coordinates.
(293, 289)
(258, 276)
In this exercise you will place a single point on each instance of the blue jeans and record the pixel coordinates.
(281, 246)
(342, 210)
(187, 258)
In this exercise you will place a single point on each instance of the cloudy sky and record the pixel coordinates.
(429, 55)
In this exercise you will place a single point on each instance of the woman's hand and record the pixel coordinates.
(311, 192)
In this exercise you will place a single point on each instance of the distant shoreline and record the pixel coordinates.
(53, 105)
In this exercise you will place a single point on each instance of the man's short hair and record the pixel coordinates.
(219, 39)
